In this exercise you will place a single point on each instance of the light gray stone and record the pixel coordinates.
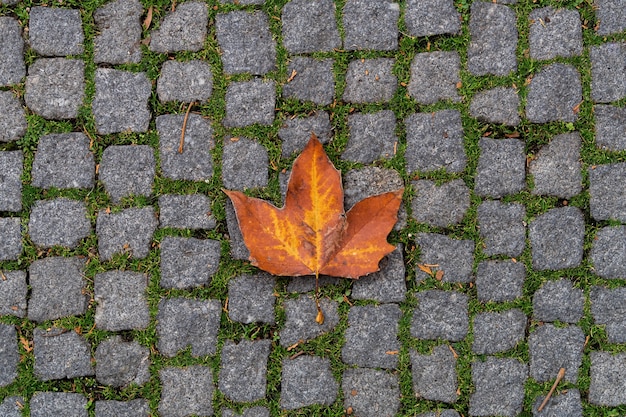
(126, 232)
(554, 94)
(58, 222)
(12, 117)
(500, 281)
(499, 387)
(243, 370)
(127, 170)
(556, 238)
(610, 127)
(440, 315)
(497, 105)
(11, 244)
(371, 24)
(61, 354)
(608, 78)
(501, 167)
(13, 290)
(553, 348)
(188, 211)
(370, 392)
(63, 161)
(184, 29)
(442, 205)
(372, 137)
(310, 26)
(12, 406)
(295, 133)
(567, 404)
(313, 81)
(434, 375)
(185, 81)
(607, 192)
(9, 354)
(300, 321)
(432, 17)
(121, 301)
(611, 16)
(388, 285)
(501, 226)
(370, 81)
(188, 262)
(307, 380)
(55, 31)
(120, 363)
(608, 308)
(186, 391)
(454, 257)
(66, 404)
(250, 102)
(119, 37)
(435, 76)
(556, 167)
(245, 164)
(558, 300)
(498, 332)
(12, 66)
(608, 379)
(555, 33)
(608, 253)
(251, 298)
(11, 167)
(133, 408)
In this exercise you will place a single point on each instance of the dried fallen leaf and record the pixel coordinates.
(425, 269)
(439, 275)
(148, 19)
(26, 344)
(512, 135)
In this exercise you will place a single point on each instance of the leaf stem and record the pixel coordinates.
(320, 315)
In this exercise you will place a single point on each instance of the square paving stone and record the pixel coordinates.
(498, 332)
(195, 162)
(608, 379)
(11, 244)
(120, 363)
(304, 284)
(501, 226)
(55, 31)
(554, 94)
(497, 105)
(442, 413)
(133, 408)
(493, 39)
(127, 170)
(183, 322)
(310, 26)
(611, 16)
(558, 300)
(440, 315)
(63, 161)
(257, 411)
(186, 391)
(555, 33)
(370, 81)
(370, 24)
(556, 238)
(189, 211)
(300, 324)
(440, 205)
(121, 298)
(119, 32)
(313, 80)
(12, 67)
(9, 354)
(372, 137)
(608, 307)
(251, 298)
(607, 191)
(188, 262)
(12, 406)
(435, 141)
(11, 167)
(58, 288)
(121, 101)
(500, 281)
(245, 164)
(552, 348)
(608, 253)
(307, 380)
(454, 257)
(434, 375)
(370, 392)
(12, 117)
(610, 127)
(608, 78)
(435, 76)
(499, 387)
(501, 167)
(184, 29)
(556, 167)
(185, 81)
(567, 404)
(128, 231)
(250, 102)
(245, 42)
(243, 370)
(58, 222)
(66, 404)
(13, 292)
(61, 353)
(388, 285)
(431, 17)
(55, 87)
(295, 133)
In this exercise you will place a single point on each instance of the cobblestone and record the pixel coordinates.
(553, 94)
(558, 300)
(126, 232)
(371, 24)
(310, 26)
(188, 262)
(121, 298)
(434, 375)
(13, 291)
(12, 117)
(58, 222)
(119, 24)
(251, 299)
(501, 167)
(63, 161)
(132, 408)
(372, 137)
(313, 80)
(10, 356)
(244, 164)
(243, 371)
(556, 169)
(440, 315)
(186, 391)
(496, 105)
(431, 17)
(498, 332)
(556, 238)
(307, 380)
(60, 354)
(120, 363)
(608, 81)
(185, 81)
(370, 392)
(610, 127)
(555, 33)
(442, 205)
(67, 404)
(607, 197)
(11, 245)
(370, 81)
(435, 76)
(184, 29)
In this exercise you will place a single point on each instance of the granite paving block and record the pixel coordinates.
(608, 78)
(555, 33)
(493, 39)
(370, 81)
(388, 285)
(607, 192)
(13, 292)
(435, 76)
(127, 170)
(440, 315)
(454, 257)
(61, 353)
(441, 413)
(184, 29)
(257, 411)
(12, 406)
(55, 87)
(12, 66)
(296, 132)
(250, 102)
(608, 307)
(245, 164)
(440, 205)
(608, 253)
(304, 284)
(121, 300)
(242, 2)
(243, 370)
(188, 211)
(610, 127)
(133, 408)
(313, 80)
(11, 244)
(499, 387)
(554, 94)
(251, 298)
(500, 281)
(432, 17)
(63, 161)
(565, 404)
(434, 375)
(300, 324)
(9, 354)
(498, 332)
(66, 404)
(183, 322)
(121, 363)
(58, 222)
(435, 141)
(186, 391)
(121, 101)
(238, 249)
(558, 300)
(370, 392)
(552, 348)
(611, 16)
(372, 137)
(185, 81)
(501, 226)
(307, 380)
(501, 167)
(12, 117)
(556, 167)
(11, 167)
(128, 231)
(370, 24)
(310, 26)
(245, 42)
(608, 379)
(497, 105)
(556, 238)
(119, 32)
(58, 288)
(55, 31)
(188, 262)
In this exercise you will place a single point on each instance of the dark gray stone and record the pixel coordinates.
(58, 288)
(55, 31)
(608, 379)
(608, 72)
(121, 101)
(121, 298)
(11, 167)
(61, 353)
(307, 380)
(184, 29)
(608, 253)
(66, 404)
(313, 80)
(183, 322)
(607, 193)
(371, 24)
(435, 141)
(188, 262)
(120, 363)
(126, 232)
(257, 411)
(500, 281)
(132, 408)
(493, 39)
(13, 292)
(554, 94)
(245, 164)
(442, 413)
(119, 37)
(611, 16)
(310, 26)
(497, 105)
(185, 81)
(189, 211)
(12, 406)
(300, 324)
(11, 244)
(251, 298)
(370, 392)
(435, 76)
(552, 348)
(431, 17)
(243, 370)
(440, 315)
(9, 354)
(499, 387)
(12, 67)
(556, 167)
(556, 238)
(55, 87)
(608, 307)
(558, 300)
(566, 404)
(238, 249)
(501, 167)
(127, 170)
(370, 81)
(610, 127)
(372, 137)
(387, 285)
(555, 33)
(63, 161)
(501, 226)
(304, 284)
(498, 332)
(454, 257)
(295, 133)
(250, 102)
(12, 117)
(441, 205)
(434, 375)
(58, 222)
(242, 3)
(186, 391)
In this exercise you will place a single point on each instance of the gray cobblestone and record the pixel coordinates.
(55, 31)
(12, 117)
(119, 23)
(61, 354)
(185, 81)
(184, 29)
(12, 66)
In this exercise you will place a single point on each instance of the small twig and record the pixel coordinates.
(559, 377)
(182, 133)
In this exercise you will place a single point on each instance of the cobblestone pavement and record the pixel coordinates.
(123, 286)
